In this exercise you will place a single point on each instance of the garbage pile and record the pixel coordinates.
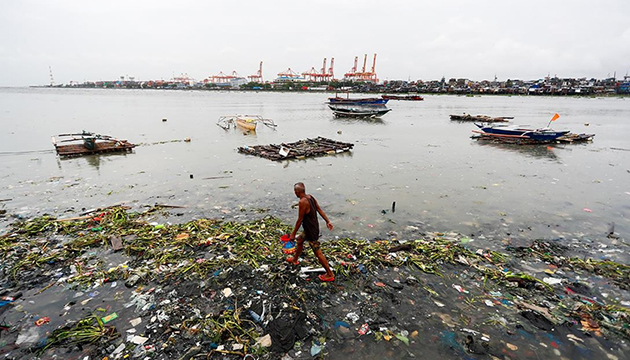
(115, 285)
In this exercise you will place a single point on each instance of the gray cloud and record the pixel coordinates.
(97, 40)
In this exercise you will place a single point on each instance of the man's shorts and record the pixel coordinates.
(313, 243)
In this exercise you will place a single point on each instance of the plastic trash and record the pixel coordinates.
(362, 269)
(41, 321)
(364, 329)
(315, 349)
(11, 298)
(264, 341)
(254, 316)
(404, 339)
(139, 340)
(109, 318)
(352, 316)
(341, 324)
(28, 337)
(552, 281)
(116, 242)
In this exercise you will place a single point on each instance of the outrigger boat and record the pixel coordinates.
(86, 143)
(245, 122)
(360, 112)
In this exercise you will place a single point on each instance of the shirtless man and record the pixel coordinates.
(307, 218)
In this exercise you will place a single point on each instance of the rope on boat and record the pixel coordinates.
(24, 152)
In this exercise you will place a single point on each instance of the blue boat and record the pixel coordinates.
(361, 101)
(505, 131)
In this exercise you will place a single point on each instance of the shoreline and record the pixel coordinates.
(475, 94)
(432, 294)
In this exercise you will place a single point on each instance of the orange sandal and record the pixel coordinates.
(324, 278)
(293, 261)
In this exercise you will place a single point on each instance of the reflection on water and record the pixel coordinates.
(95, 161)
(357, 120)
(543, 151)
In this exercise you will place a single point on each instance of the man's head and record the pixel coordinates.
(299, 189)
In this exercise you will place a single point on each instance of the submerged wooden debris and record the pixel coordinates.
(301, 149)
(566, 139)
(87, 143)
(480, 118)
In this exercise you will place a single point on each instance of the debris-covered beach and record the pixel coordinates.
(119, 284)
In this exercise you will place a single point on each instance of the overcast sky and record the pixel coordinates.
(86, 40)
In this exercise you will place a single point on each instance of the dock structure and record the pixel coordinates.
(301, 149)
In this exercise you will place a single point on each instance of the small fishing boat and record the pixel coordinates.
(86, 143)
(360, 112)
(245, 122)
(406, 97)
(515, 132)
(481, 118)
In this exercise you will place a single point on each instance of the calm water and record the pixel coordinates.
(439, 178)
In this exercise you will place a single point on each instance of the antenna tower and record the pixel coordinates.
(52, 79)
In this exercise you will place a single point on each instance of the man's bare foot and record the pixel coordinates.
(292, 260)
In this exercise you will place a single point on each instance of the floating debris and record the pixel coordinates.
(301, 149)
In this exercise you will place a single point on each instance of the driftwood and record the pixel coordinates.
(297, 150)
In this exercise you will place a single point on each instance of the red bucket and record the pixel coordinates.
(288, 246)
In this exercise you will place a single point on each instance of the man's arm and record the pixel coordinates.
(323, 215)
(303, 205)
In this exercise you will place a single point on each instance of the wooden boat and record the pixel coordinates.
(245, 122)
(86, 143)
(360, 112)
(406, 97)
(480, 118)
(540, 135)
